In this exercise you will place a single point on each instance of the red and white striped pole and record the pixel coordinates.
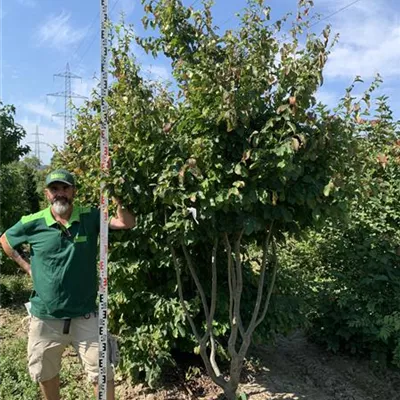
(104, 168)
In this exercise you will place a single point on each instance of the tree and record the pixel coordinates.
(12, 179)
(11, 135)
(35, 178)
(348, 270)
(240, 156)
(21, 190)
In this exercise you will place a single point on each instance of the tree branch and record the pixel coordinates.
(212, 356)
(211, 366)
(214, 281)
(236, 320)
(271, 286)
(239, 282)
(196, 280)
(180, 290)
(218, 379)
(257, 306)
(230, 283)
(212, 307)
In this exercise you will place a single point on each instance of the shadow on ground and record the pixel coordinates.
(298, 370)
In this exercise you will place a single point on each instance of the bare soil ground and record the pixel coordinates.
(292, 369)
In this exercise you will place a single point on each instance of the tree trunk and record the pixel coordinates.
(230, 392)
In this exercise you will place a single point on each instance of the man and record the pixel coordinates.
(63, 239)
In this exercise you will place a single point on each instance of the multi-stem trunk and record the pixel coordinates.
(240, 338)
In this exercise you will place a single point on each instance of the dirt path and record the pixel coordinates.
(293, 369)
(301, 370)
(296, 370)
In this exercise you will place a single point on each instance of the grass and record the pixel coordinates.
(15, 380)
(14, 290)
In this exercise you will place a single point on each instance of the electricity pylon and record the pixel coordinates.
(37, 144)
(68, 95)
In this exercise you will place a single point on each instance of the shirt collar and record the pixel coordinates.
(75, 217)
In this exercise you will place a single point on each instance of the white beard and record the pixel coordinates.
(61, 207)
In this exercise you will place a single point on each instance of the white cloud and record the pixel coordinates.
(43, 113)
(83, 88)
(369, 39)
(328, 98)
(39, 109)
(57, 32)
(51, 100)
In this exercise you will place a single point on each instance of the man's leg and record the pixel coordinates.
(51, 388)
(110, 390)
(46, 344)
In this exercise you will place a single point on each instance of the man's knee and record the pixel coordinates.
(55, 381)
(44, 351)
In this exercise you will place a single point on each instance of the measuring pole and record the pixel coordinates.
(104, 167)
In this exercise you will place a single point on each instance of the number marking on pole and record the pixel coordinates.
(104, 166)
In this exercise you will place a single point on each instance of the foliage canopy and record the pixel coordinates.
(237, 153)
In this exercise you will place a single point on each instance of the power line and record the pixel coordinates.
(87, 34)
(315, 23)
(334, 13)
(194, 3)
(95, 36)
(98, 30)
(226, 21)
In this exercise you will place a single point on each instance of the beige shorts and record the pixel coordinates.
(47, 342)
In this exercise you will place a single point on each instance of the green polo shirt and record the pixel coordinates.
(63, 261)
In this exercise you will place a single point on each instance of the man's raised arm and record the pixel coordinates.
(124, 218)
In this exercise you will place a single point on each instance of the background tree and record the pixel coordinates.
(18, 179)
(12, 179)
(348, 270)
(11, 135)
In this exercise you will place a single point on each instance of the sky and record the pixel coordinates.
(39, 37)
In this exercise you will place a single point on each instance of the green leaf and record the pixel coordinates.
(239, 184)
(292, 126)
(254, 165)
(282, 164)
(234, 191)
(282, 108)
(328, 188)
(238, 169)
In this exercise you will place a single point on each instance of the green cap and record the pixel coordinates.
(60, 175)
